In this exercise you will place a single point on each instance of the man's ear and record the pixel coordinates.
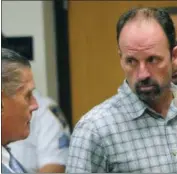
(174, 53)
(119, 52)
(120, 57)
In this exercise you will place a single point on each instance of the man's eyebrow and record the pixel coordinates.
(30, 90)
(33, 88)
(129, 57)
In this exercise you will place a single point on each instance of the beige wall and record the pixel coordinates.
(94, 62)
(35, 18)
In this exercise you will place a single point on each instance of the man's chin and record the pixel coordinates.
(148, 96)
(25, 134)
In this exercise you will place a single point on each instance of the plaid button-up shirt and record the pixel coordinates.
(124, 135)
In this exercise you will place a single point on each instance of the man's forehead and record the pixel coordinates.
(27, 80)
(145, 34)
(27, 86)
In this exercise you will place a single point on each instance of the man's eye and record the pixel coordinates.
(131, 61)
(28, 96)
(153, 59)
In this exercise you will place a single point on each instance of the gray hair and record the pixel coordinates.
(12, 64)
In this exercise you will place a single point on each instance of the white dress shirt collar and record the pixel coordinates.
(6, 158)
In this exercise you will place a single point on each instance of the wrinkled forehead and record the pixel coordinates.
(27, 81)
(141, 25)
(142, 32)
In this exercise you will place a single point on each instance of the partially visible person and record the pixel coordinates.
(46, 148)
(174, 76)
(17, 105)
(136, 129)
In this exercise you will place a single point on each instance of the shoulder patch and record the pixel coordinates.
(57, 112)
(64, 141)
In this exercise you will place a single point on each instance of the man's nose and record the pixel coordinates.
(143, 72)
(34, 104)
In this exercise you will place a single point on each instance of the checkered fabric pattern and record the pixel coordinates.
(124, 135)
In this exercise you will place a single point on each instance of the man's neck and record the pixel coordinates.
(162, 104)
(4, 140)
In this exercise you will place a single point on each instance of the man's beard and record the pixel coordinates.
(150, 94)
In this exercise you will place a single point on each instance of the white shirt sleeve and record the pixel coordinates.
(52, 134)
(51, 146)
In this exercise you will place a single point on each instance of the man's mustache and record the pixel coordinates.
(150, 82)
(146, 82)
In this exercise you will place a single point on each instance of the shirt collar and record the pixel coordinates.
(174, 89)
(136, 106)
(5, 156)
(172, 113)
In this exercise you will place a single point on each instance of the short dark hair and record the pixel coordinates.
(159, 14)
(12, 64)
